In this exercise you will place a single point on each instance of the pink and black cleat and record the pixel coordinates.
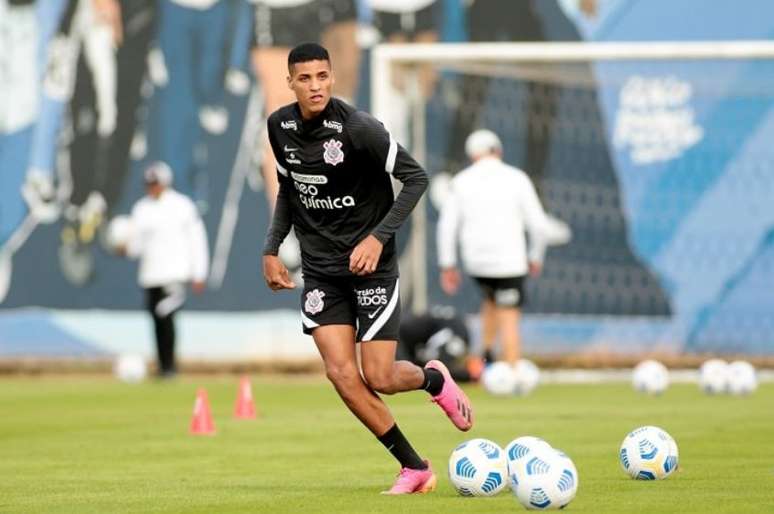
(414, 481)
(452, 399)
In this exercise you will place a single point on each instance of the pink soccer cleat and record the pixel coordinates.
(452, 399)
(414, 481)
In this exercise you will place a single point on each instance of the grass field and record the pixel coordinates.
(92, 445)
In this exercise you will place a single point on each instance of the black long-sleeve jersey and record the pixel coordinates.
(335, 189)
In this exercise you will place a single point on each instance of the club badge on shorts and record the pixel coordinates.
(314, 301)
(333, 154)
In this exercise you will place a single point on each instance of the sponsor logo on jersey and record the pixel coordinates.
(309, 179)
(292, 159)
(372, 297)
(333, 154)
(314, 301)
(333, 125)
(289, 125)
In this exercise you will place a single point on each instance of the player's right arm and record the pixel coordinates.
(274, 271)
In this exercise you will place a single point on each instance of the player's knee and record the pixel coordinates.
(341, 375)
(380, 381)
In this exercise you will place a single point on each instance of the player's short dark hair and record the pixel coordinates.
(306, 52)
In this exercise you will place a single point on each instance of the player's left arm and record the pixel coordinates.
(370, 135)
(536, 223)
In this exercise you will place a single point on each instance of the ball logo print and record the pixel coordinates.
(333, 154)
(314, 301)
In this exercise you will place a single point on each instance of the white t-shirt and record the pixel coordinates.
(169, 239)
(399, 6)
(489, 206)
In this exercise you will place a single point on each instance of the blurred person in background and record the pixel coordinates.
(438, 334)
(188, 68)
(488, 208)
(169, 239)
(406, 21)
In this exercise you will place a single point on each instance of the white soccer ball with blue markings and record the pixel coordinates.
(713, 376)
(650, 377)
(499, 379)
(649, 453)
(527, 376)
(544, 479)
(478, 468)
(519, 451)
(130, 368)
(741, 378)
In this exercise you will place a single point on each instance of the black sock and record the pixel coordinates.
(401, 449)
(433, 381)
(489, 357)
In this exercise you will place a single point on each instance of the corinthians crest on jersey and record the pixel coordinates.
(333, 154)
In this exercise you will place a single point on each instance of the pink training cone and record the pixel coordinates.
(245, 407)
(201, 423)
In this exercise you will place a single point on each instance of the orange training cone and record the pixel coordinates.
(244, 408)
(201, 423)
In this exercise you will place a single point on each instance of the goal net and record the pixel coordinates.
(658, 157)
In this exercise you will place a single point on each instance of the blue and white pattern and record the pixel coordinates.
(478, 468)
(649, 453)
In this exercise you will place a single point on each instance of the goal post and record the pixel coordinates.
(636, 115)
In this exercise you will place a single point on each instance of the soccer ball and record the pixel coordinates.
(527, 376)
(478, 468)
(649, 453)
(499, 378)
(119, 232)
(130, 368)
(741, 378)
(545, 479)
(650, 377)
(713, 376)
(520, 450)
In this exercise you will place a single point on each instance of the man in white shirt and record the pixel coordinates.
(169, 239)
(488, 209)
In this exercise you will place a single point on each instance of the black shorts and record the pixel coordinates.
(410, 23)
(371, 305)
(289, 26)
(504, 292)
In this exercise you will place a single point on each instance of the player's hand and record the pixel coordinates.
(450, 280)
(365, 257)
(197, 286)
(276, 274)
(535, 269)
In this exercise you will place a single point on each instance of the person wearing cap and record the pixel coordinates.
(170, 241)
(489, 207)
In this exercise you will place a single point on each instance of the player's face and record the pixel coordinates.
(311, 81)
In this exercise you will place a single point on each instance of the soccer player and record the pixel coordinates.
(334, 167)
(487, 210)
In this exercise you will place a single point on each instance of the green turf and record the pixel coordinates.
(91, 445)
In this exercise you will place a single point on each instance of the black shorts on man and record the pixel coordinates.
(408, 24)
(504, 292)
(284, 26)
(371, 305)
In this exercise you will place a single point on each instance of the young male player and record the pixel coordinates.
(334, 166)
